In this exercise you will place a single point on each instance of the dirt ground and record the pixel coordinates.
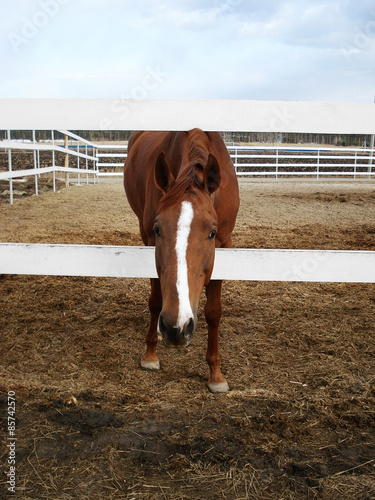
(299, 421)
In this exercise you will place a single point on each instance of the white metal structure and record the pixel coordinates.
(285, 265)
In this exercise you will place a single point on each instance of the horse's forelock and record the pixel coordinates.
(198, 148)
(187, 180)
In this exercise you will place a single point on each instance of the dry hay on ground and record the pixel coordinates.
(299, 421)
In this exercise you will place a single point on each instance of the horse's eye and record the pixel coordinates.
(212, 234)
(157, 231)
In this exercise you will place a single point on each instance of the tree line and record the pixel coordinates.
(354, 140)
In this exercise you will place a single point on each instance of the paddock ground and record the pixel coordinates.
(299, 421)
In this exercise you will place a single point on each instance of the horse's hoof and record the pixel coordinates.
(222, 387)
(151, 366)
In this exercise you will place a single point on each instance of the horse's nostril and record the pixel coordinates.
(162, 327)
(173, 334)
(189, 328)
(170, 333)
(176, 336)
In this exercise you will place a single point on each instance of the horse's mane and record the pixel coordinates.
(198, 148)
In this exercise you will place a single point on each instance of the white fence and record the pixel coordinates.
(224, 116)
(69, 147)
(107, 160)
(106, 167)
(274, 265)
(230, 264)
(312, 162)
(272, 161)
(175, 114)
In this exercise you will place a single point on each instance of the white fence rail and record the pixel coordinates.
(230, 264)
(108, 168)
(175, 114)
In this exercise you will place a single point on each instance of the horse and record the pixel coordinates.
(183, 188)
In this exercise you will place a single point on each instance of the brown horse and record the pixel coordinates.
(183, 188)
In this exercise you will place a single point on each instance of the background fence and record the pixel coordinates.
(67, 153)
(271, 161)
(73, 154)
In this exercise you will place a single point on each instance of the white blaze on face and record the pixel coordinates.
(183, 231)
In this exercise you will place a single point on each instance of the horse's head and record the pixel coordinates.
(185, 229)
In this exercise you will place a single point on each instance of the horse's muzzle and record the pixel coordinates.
(174, 335)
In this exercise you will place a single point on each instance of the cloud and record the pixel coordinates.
(227, 49)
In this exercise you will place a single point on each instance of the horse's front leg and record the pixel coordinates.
(217, 382)
(150, 360)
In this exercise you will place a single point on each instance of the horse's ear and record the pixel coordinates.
(162, 174)
(211, 174)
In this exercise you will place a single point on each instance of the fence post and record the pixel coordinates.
(35, 165)
(317, 165)
(87, 165)
(78, 174)
(53, 160)
(277, 163)
(66, 164)
(95, 152)
(369, 170)
(10, 169)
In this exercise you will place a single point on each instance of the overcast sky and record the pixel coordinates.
(190, 49)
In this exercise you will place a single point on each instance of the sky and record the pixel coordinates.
(308, 50)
